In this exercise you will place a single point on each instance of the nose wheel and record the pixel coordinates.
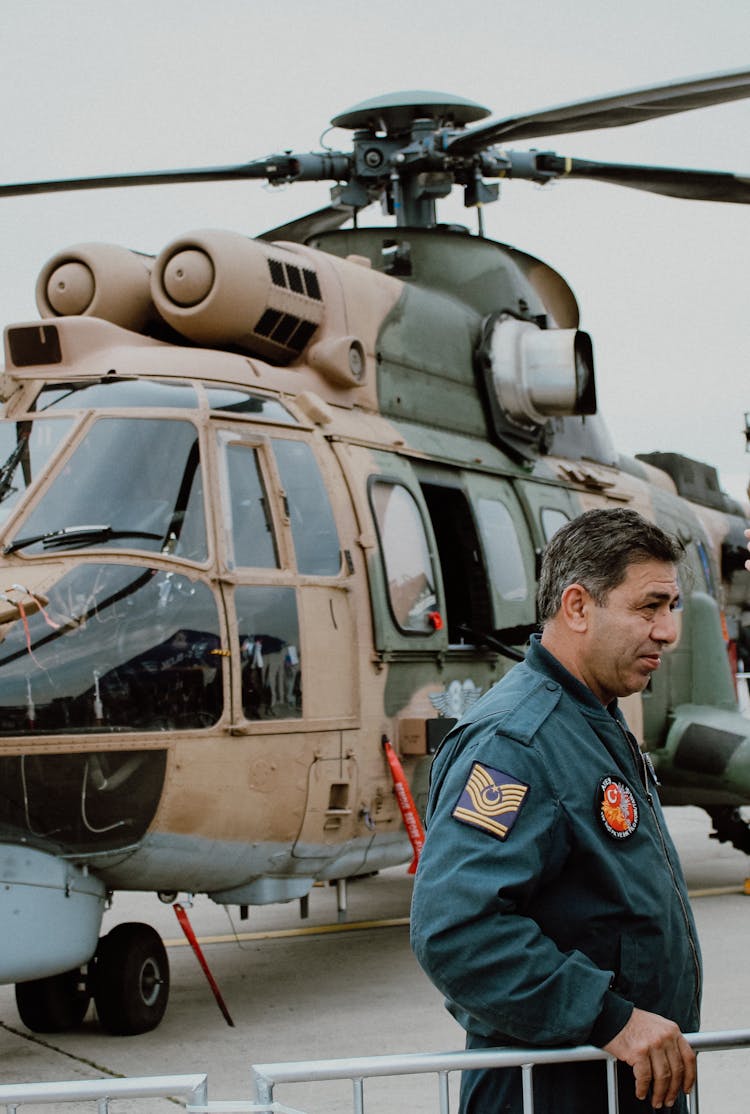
(130, 979)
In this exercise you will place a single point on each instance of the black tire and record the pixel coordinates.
(54, 1004)
(130, 980)
(731, 826)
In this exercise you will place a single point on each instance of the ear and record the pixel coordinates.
(574, 608)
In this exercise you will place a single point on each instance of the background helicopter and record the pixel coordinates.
(355, 444)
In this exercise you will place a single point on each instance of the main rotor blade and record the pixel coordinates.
(312, 167)
(146, 178)
(304, 228)
(695, 185)
(614, 111)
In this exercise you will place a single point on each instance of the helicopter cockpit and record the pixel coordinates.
(105, 499)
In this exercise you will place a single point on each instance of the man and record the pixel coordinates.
(549, 905)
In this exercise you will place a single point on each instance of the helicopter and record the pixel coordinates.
(269, 504)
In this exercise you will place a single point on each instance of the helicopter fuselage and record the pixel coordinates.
(285, 503)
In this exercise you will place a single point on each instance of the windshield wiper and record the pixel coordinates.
(7, 471)
(75, 537)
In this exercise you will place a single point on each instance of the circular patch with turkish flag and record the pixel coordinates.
(617, 807)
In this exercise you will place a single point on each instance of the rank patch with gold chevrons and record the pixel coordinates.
(491, 800)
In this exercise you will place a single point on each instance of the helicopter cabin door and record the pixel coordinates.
(452, 563)
(288, 595)
(487, 555)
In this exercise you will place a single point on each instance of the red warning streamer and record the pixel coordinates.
(187, 928)
(412, 823)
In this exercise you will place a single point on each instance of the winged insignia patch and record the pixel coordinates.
(457, 698)
(491, 800)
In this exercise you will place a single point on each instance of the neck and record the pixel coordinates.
(558, 642)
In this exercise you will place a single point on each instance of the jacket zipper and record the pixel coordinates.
(642, 773)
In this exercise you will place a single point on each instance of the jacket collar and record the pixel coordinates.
(541, 660)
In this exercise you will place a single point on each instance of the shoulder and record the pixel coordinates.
(516, 707)
(513, 712)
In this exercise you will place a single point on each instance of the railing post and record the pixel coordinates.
(444, 1092)
(264, 1090)
(693, 1098)
(613, 1099)
(527, 1082)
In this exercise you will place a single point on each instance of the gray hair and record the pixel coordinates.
(595, 550)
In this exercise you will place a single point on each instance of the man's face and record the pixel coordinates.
(625, 635)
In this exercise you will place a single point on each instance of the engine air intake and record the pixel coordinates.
(225, 290)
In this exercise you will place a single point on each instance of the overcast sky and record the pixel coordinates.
(100, 86)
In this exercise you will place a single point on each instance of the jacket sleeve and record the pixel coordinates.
(470, 929)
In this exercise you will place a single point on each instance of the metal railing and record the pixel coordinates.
(267, 1076)
(194, 1088)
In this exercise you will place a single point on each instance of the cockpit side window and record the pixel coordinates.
(268, 629)
(316, 540)
(249, 533)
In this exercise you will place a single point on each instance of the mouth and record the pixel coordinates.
(651, 661)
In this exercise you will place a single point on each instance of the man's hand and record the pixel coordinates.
(659, 1056)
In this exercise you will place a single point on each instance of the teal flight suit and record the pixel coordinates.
(549, 899)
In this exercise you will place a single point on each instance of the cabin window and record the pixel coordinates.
(552, 520)
(406, 555)
(705, 564)
(249, 533)
(502, 550)
(268, 631)
(131, 483)
(316, 540)
(116, 648)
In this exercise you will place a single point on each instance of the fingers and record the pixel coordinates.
(662, 1060)
(689, 1061)
(747, 563)
(672, 1069)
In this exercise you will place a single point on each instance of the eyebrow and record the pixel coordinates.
(657, 595)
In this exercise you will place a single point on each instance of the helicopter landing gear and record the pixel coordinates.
(130, 979)
(731, 826)
(54, 1004)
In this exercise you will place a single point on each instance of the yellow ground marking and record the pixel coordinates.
(393, 922)
(718, 891)
(283, 933)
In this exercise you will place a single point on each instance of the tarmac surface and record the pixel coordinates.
(320, 988)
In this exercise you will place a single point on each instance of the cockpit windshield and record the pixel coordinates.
(25, 448)
(130, 483)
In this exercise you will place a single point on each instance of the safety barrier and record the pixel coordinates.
(267, 1076)
(194, 1088)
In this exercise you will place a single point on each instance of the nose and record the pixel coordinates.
(664, 629)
